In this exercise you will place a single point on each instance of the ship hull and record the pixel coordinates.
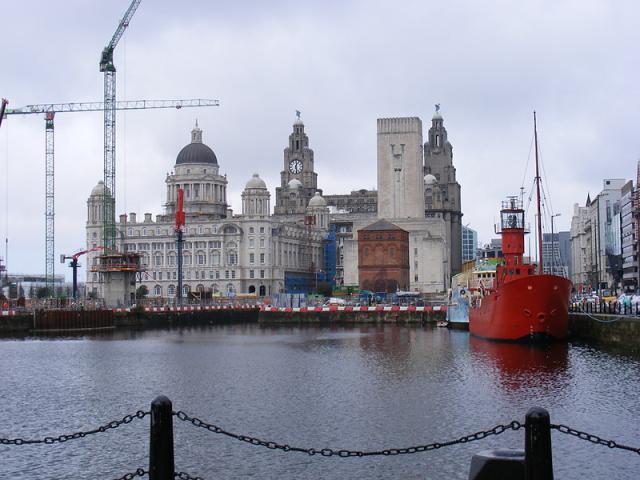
(528, 309)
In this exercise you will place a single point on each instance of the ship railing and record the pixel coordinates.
(534, 462)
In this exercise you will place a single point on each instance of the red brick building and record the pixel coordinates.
(383, 257)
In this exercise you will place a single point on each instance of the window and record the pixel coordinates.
(262, 242)
(261, 229)
(252, 257)
(129, 232)
(226, 274)
(157, 260)
(251, 243)
(261, 273)
(144, 232)
(171, 290)
(232, 258)
(202, 258)
(262, 258)
(215, 258)
(250, 229)
(251, 274)
(157, 230)
(157, 291)
(233, 274)
(217, 274)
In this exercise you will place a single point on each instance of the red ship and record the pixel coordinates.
(523, 304)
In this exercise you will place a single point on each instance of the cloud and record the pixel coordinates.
(343, 64)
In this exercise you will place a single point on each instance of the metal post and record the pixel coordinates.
(161, 463)
(537, 445)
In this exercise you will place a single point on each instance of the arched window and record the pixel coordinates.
(157, 291)
(252, 289)
(232, 258)
(171, 290)
(201, 257)
(230, 288)
(185, 290)
(186, 259)
(215, 258)
(171, 259)
(157, 260)
(263, 290)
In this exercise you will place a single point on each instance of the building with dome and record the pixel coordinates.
(224, 254)
(307, 236)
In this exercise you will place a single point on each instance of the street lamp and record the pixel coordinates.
(553, 251)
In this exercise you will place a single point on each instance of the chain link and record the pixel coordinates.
(589, 437)
(330, 452)
(140, 472)
(72, 436)
(185, 476)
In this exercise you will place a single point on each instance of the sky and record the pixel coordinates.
(343, 64)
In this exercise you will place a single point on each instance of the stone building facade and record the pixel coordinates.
(383, 258)
(224, 254)
(261, 252)
(441, 188)
(298, 179)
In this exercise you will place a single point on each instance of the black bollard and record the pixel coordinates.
(504, 464)
(161, 463)
(537, 445)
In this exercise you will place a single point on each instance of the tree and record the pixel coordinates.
(141, 292)
(43, 292)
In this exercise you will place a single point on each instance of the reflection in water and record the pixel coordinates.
(520, 365)
(360, 387)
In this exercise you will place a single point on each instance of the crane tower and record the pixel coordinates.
(109, 69)
(49, 110)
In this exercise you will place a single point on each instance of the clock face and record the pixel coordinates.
(295, 166)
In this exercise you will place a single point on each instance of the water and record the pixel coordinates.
(362, 388)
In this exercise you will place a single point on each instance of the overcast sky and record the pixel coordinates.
(343, 64)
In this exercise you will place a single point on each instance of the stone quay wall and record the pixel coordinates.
(615, 330)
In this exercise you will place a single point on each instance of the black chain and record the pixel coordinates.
(140, 472)
(185, 476)
(329, 452)
(72, 436)
(589, 437)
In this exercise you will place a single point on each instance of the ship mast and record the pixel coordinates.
(539, 220)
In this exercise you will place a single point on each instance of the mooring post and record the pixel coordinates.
(161, 463)
(537, 445)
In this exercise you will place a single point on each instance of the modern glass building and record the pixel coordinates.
(469, 244)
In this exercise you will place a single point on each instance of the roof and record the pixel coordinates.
(196, 153)
(380, 225)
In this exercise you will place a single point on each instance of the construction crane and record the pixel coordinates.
(180, 220)
(49, 110)
(3, 105)
(74, 266)
(109, 69)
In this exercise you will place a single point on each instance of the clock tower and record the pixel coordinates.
(298, 180)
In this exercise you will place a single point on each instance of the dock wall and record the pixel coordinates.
(614, 330)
